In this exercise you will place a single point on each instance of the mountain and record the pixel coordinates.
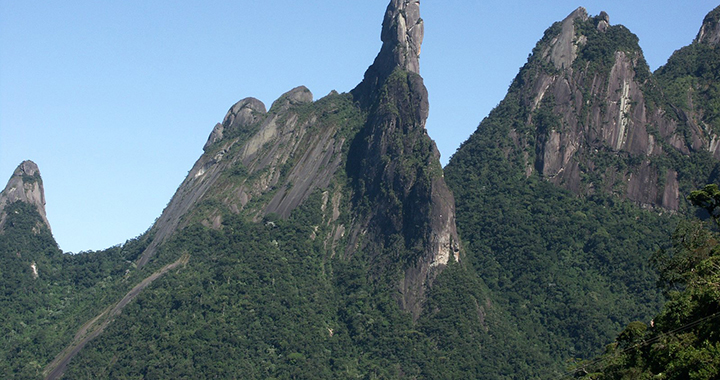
(590, 117)
(563, 191)
(25, 186)
(303, 242)
(691, 82)
(321, 238)
(369, 147)
(46, 295)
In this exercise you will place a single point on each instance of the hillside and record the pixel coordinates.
(321, 238)
(570, 185)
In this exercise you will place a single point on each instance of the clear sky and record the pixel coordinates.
(114, 99)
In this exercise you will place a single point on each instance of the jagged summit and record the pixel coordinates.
(402, 36)
(25, 185)
(369, 146)
(564, 47)
(710, 30)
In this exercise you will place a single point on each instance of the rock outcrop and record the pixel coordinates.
(402, 35)
(25, 185)
(710, 31)
(260, 163)
(588, 98)
(394, 162)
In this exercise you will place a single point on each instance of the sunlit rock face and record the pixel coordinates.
(587, 94)
(262, 162)
(25, 185)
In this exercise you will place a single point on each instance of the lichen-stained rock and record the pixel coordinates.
(563, 48)
(589, 103)
(25, 185)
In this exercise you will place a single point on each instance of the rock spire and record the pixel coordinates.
(402, 36)
(25, 185)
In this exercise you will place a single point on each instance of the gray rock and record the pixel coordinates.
(604, 22)
(245, 112)
(710, 30)
(402, 36)
(297, 95)
(564, 47)
(215, 136)
(25, 185)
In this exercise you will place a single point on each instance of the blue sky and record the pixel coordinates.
(115, 99)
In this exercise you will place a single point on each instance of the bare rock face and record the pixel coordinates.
(402, 36)
(710, 31)
(242, 114)
(563, 49)
(586, 109)
(243, 160)
(259, 162)
(25, 185)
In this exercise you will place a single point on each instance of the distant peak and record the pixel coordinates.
(710, 31)
(25, 185)
(297, 95)
(579, 13)
(603, 22)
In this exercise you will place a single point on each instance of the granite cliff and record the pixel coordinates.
(25, 185)
(265, 163)
(592, 117)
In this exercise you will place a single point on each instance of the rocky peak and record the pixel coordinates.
(710, 30)
(402, 36)
(603, 22)
(564, 47)
(25, 185)
(297, 95)
(242, 114)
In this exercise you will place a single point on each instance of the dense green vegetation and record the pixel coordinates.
(571, 271)
(597, 53)
(683, 341)
(42, 312)
(691, 82)
(264, 300)
(546, 279)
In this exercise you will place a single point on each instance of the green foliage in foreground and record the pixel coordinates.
(683, 341)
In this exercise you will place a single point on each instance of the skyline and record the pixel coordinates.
(114, 102)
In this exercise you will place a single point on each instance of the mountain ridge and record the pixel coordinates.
(324, 240)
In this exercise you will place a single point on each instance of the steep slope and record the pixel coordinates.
(315, 230)
(549, 185)
(691, 82)
(46, 294)
(262, 163)
(683, 341)
(590, 117)
(25, 186)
